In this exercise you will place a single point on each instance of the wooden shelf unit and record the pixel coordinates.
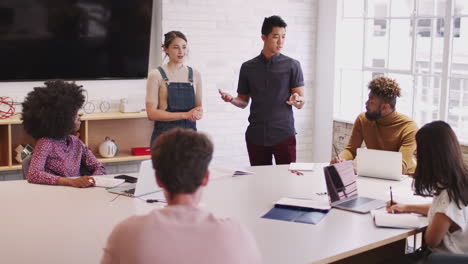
(127, 129)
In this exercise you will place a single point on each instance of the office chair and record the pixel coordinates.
(439, 258)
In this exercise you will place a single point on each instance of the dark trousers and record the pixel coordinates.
(284, 152)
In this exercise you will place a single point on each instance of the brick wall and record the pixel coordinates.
(221, 35)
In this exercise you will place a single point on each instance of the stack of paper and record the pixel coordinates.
(107, 182)
(298, 166)
(409, 221)
(319, 204)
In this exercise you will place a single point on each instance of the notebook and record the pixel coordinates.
(146, 182)
(407, 221)
(342, 189)
(379, 164)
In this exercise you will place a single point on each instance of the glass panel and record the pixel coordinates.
(400, 44)
(427, 48)
(376, 43)
(402, 8)
(353, 8)
(460, 50)
(351, 94)
(438, 47)
(427, 99)
(458, 108)
(426, 8)
(377, 8)
(350, 39)
(440, 8)
(404, 103)
(423, 45)
(461, 7)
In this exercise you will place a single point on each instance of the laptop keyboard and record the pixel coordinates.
(355, 202)
(130, 191)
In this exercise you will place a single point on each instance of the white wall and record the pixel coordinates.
(325, 70)
(222, 35)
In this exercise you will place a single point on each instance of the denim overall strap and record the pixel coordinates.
(180, 98)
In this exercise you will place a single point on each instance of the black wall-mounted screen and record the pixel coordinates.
(74, 39)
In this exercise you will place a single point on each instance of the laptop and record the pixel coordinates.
(379, 164)
(146, 182)
(343, 192)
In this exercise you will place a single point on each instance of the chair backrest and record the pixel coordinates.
(439, 258)
(25, 166)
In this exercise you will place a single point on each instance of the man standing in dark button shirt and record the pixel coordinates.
(275, 83)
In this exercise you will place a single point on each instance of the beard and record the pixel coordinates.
(374, 116)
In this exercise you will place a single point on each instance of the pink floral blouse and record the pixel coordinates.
(55, 158)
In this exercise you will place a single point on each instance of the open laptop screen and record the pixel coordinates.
(341, 180)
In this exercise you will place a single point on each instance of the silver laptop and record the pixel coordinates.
(379, 164)
(342, 189)
(146, 182)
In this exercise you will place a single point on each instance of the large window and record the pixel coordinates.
(423, 44)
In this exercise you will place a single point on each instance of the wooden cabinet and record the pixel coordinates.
(127, 129)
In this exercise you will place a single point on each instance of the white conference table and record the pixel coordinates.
(55, 224)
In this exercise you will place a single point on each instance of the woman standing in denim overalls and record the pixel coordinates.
(174, 90)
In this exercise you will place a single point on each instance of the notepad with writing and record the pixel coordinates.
(406, 221)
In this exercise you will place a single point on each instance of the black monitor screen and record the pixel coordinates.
(74, 39)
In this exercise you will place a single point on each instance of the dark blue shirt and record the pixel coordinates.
(269, 84)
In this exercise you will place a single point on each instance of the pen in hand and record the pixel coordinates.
(391, 199)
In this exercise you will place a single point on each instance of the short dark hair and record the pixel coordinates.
(386, 88)
(440, 164)
(181, 158)
(170, 36)
(50, 111)
(270, 22)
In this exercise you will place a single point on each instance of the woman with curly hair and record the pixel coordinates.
(442, 173)
(50, 115)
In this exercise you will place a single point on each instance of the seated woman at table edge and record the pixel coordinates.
(441, 173)
(181, 232)
(50, 115)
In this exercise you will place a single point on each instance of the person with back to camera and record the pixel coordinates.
(381, 127)
(441, 173)
(181, 232)
(174, 90)
(275, 83)
(50, 115)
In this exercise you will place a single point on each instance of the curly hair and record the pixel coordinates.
(386, 88)
(50, 111)
(190, 151)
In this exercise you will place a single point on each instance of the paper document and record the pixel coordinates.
(107, 182)
(219, 172)
(320, 204)
(407, 221)
(298, 166)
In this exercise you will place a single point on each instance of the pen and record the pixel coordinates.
(155, 201)
(299, 101)
(391, 197)
(336, 152)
